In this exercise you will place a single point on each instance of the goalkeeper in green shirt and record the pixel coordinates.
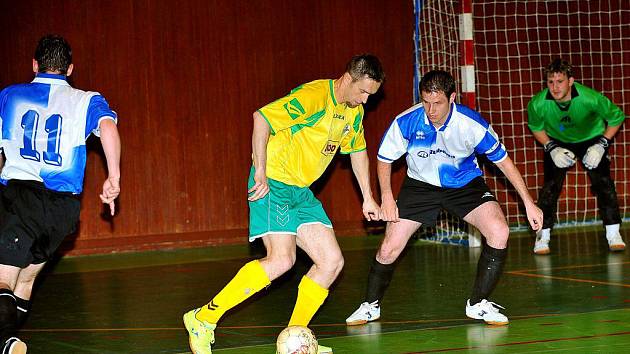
(574, 122)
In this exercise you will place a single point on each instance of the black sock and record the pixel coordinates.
(7, 314)
(23, 307)
(378, 280)
(489, 270)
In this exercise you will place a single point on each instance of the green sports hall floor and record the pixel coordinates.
(576, 300)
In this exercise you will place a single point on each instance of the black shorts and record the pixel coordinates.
(422, 202)
(33, 222)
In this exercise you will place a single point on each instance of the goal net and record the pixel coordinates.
(513, 41)
(437, 46)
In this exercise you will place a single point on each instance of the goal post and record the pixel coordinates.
(444, 40)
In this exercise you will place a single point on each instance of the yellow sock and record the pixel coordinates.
(250, 279)
(310, 297)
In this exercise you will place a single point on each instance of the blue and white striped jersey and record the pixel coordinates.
(445, 157)
(44, 125)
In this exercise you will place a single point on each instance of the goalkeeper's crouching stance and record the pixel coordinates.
(575, 123)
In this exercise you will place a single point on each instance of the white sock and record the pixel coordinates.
(612, 230)
(545, 234)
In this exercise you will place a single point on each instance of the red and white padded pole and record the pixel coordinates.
(467, 65)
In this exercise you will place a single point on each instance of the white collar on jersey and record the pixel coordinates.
(448, 119)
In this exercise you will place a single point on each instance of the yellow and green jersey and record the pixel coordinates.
(308, 126)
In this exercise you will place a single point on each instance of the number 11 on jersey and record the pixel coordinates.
(30, 122)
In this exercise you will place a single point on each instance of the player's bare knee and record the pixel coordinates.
(388, 253)
(340, 263)
(498, 236)
(337, 263)
(288, 262)
(282, 263)
(27, 275)
(331, 265)
(26, 282)
(386, 257)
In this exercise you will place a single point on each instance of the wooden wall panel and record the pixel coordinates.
(185, 77)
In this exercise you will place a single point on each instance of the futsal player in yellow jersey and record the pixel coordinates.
(294, 140)
(307, 127)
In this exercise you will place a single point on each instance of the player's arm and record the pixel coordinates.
(354, 144)
(393, 146)
(541, 137)
(536, 123)
(561, 157)
(260, 137)
(534, 214)
(495, 151)
(611, 114)
(614, 117)
(596, 152)
(110, 139)
(389, 209)
(361, 168)
(610, 132)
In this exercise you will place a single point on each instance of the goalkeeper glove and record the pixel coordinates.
(562, 158)
(595, 152)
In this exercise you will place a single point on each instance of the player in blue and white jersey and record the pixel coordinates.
(44, 125)
(441, 140)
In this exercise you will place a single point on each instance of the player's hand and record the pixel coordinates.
(595, 152)
(260, 187)
(389, 209)
(562, 158)
(371, 210)
(534, 216)
(111, 190)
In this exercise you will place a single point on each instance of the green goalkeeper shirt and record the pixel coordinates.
(582, 118)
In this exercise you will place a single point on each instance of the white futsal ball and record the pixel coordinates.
(296, 340)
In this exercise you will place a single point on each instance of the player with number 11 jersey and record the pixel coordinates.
(43, 128)
(45, 124)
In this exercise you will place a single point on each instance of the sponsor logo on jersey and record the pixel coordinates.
(420, 135)
(294, 108)
(330, 148)
(339, 116)
(424, 154)
(565, 123)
